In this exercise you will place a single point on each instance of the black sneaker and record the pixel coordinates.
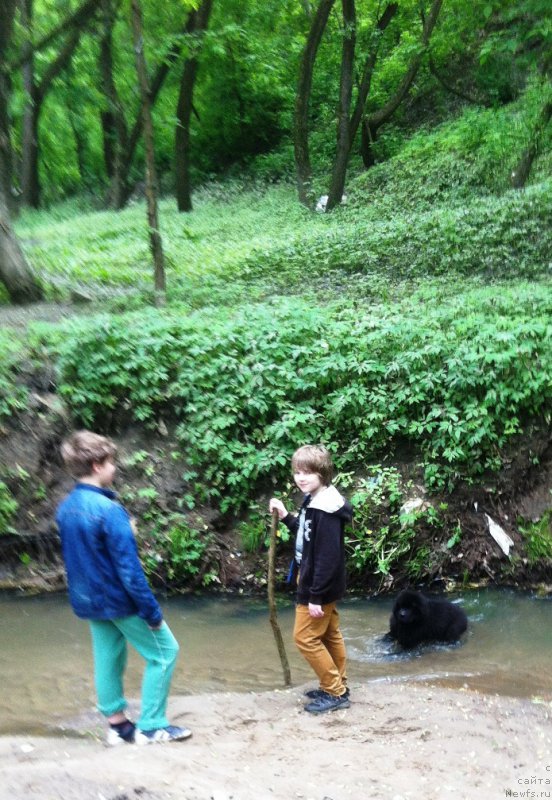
(122, 733)
(316, 694)
(328, 703)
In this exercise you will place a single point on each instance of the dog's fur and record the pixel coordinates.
(416, 618)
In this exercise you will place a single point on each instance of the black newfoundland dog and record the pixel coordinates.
(416, 618)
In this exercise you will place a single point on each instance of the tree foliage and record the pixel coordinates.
(248, 79)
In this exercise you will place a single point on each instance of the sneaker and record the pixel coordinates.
(328, 703)
(158, 735)
(316, 694)
(123, 733)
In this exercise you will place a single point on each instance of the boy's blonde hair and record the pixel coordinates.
(313, 458)
(83, 449)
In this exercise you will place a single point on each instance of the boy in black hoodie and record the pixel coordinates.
(320, 566)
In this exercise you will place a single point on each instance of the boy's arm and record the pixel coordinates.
(326, 556)
(124, 553)
(291, 521)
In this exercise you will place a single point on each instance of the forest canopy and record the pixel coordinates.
(228, 85)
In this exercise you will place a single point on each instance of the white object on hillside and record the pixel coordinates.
(412, 506)
(415, 504)
(500, 536)
(323, 202)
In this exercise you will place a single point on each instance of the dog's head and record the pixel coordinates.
(410, 607)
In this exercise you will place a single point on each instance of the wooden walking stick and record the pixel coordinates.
(272, 600)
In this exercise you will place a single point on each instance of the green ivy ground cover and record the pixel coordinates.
(456, 376)
(492, 236)
(248, 244)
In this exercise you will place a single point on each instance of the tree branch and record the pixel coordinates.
(77, 19)
(369, 65)
(157, 82)
(57, 66)
(377, 119)
(452, 89)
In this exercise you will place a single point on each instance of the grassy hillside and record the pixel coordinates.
(439, 206)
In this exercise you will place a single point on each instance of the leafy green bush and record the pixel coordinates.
(187, 548)
(538, 537)
(458, 377)
(383, 534)
(371, 544)
(253, 533)
(174, 551)
(13, 397)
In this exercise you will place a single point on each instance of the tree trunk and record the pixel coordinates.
(521, 172)
(345, 93)
(6, 159)
(385, 113)
(156, 244)
(30, 187)
(15, 273)
(198, 22)
(367, 139)
(7, 11)
(155, 87)
(75, 122)
(301, 125)
(113, 122)
(30, 179)
(347, 130)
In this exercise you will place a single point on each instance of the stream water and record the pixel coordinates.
(227, 645)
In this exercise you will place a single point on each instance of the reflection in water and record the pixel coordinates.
(227, 645)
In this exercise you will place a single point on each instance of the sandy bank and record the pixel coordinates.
(396, 741)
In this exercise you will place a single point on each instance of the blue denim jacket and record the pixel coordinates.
(104, 573)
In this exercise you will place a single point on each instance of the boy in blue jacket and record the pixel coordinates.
(320, 566)
(107, 587)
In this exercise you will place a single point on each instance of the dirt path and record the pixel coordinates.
(398, 742)
(19, 317)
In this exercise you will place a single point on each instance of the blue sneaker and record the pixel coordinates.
(328, 703)
(171, 733)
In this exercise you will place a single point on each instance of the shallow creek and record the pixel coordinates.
(227, 645)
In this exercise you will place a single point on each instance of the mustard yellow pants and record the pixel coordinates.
(320, 641)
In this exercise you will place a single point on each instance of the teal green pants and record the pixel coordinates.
(158, 648)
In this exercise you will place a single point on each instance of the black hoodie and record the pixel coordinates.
(322, 560)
